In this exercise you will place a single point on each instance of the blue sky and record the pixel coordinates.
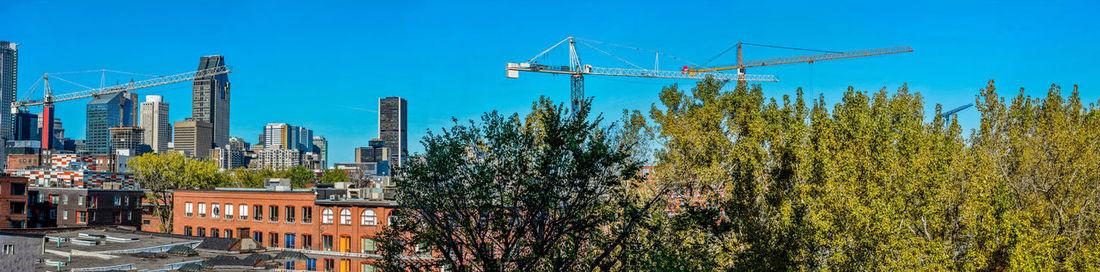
(323, 66)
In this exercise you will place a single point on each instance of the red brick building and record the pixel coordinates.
(13, 202)
(340, 224)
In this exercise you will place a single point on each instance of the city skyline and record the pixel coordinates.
(956, 53)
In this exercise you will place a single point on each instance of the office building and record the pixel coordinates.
(228, 157)
(393, 127)
(105, 112)
(9, 69)
(320, 147)
(285, 136)
(127, 141)
(210, 100)
(193, 138)
(154, 119)
(25, 126)
(375, 152)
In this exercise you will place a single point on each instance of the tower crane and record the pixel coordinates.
(577, 69)
(742, 64)
(49, 98)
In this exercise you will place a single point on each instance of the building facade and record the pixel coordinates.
(13, 202)
(79, 207)
(320, 147)
(375, 152)
(393, 127)
(154, 119)
(127, 141)
(340, 230)
(228, 157)
(105, 112)
(210, 100)
(193, 138)
(9, 70)
(277, 159)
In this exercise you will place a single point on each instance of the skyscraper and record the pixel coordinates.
(393, 128)
(285, 136)
(154, 120)
(9, 68)
(126, 141)
(25, 127)
(376, 152)
(105, 112)
(210, 100)
(320, 146)
(193, 137)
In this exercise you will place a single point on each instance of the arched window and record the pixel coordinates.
(326, 216)
(345, 217)
(368, 218)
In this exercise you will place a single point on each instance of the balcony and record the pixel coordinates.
(307, 220)
(188, 214)
(290, 219)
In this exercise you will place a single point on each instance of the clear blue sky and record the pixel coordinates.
(323, 66)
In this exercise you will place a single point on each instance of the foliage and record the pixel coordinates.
(874, 184)
(162, 173)
(549, 192)
(247, 178)
(334, 176)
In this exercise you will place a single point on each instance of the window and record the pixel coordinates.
(366, 267)
(65, 200)
(215, 211)
(118, 201)
(345, 244)
(274, 211)
(289, 214)
(188, 209)
(53, 213)
(289, 241)
(307, 214)
(345, 265)
(202, 232)
(215, 233)
(93, 201)
(311, 264)
(326, 242)
(17, 207)
(289, 265)
(326, 216)
(368, 245)
(55, 199)
(187, 231)
(258, 212)
(273, 239)
(258, 236)
(202, 209)
(244, 212)
(9, 249)
(228, 211)
(117, 215)
(18, 189)
(307, 241)
(82, 217)
(368, 218)
(345, 217)
(330, 264)
(229, 233)
(64, 215)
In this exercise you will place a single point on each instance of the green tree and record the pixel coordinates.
(548, 192)
(334, 175)
(300, 176)
(160, 174)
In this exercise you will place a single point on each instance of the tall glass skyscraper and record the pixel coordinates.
(210, 99)
(104, 113)
(393, 128)
(9, 68)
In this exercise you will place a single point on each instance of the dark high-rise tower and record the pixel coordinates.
(9, 68)
(393, 128)
(104, 113)
(210, 99)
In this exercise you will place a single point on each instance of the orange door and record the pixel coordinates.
(345, 244)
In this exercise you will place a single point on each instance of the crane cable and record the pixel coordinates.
(763, 45)
(639, 49)
(613, 56)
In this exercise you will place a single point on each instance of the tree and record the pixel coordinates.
(334, 175)
(160, 174)
(300, 176)
(549, 192)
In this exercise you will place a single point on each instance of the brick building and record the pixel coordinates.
(24, 161)
(13, 202)
(79, 207)
(339, 225)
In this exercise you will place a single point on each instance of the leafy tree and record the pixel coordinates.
(334, 176)
(548, 192)
(160, 174)
(300, 176)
